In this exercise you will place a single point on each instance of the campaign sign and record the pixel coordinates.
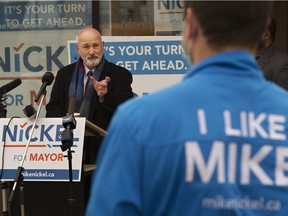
(44, 15)
(155, 62)
(142, 55)
(44, 160)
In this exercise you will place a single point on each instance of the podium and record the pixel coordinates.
(92, 129)
(50, 197)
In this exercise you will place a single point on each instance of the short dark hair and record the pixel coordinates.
(272, 28)
(232, 22)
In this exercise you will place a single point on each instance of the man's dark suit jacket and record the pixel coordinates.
(274, 64)
(119, 90)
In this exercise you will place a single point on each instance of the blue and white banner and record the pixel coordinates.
(155, 62)
(44, 160)
(44, 15)
(34, 40)
(143, 55)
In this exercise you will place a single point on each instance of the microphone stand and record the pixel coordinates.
(4, 188)
(19, 177)
(71, 200)
(69, 124)
(4, 185)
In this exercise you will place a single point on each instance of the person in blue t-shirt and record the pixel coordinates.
(214, 144)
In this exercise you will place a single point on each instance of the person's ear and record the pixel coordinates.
(266, 35)
(192, 23)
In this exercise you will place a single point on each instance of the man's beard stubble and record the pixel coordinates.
(92, 63)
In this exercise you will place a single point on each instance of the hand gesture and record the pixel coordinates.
(101, 87)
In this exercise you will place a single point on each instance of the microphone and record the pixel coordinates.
(30, 111)
(10, 86)
(69, 123)
(47, 80)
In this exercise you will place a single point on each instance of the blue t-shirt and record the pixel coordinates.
(214, 144)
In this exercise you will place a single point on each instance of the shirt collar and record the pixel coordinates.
(87, 69)
(238, 61)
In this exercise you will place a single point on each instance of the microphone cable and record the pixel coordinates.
(4, 145)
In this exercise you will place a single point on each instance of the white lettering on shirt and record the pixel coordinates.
(250, 163)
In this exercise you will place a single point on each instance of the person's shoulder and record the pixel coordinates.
(67, 68)
(276, 57)
(280, 53)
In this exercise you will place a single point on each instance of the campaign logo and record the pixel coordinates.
(21, 58)
(45, 136)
